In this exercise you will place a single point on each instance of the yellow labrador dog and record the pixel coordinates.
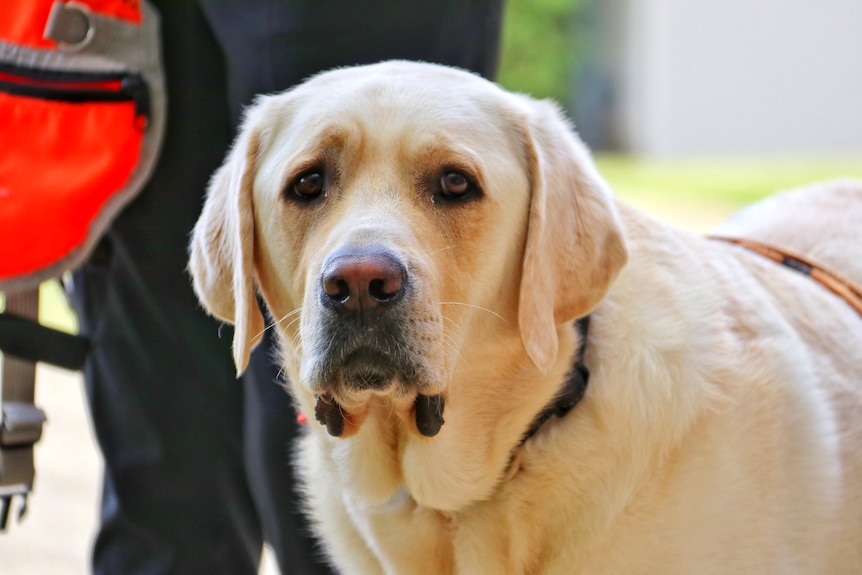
(425, 242)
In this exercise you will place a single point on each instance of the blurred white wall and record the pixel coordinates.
(733, 77)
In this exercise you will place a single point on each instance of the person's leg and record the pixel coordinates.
(166, 406)
(271, 46)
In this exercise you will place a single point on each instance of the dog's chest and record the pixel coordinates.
(412, 539)
(498, 535)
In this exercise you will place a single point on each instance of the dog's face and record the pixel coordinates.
(403, 221)
(387, 230)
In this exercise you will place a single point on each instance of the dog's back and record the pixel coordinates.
(822, 222)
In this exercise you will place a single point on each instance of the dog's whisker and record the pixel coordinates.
(293, 321)
(392, 416)
(451, 351)
(284, 317)
(492, 312)
(453, 330)
(449, 342)
(296, 340)
(290, 314)
(452, 247)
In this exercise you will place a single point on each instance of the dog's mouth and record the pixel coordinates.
(428, 413)
(387, 359)
(353, 370)
(368, 371)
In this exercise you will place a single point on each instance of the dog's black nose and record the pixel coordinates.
(362, 281)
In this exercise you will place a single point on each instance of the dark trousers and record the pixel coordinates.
(198, 469)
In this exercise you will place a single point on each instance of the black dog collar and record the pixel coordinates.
(572, 390)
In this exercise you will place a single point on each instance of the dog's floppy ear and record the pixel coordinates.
(222, 247)
(575, 242)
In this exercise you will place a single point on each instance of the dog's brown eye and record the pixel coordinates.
(308, 185)
(456, 186)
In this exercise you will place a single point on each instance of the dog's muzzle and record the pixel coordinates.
(366, 334)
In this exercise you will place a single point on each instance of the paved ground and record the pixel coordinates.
(55, 537)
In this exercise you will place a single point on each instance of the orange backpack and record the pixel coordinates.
(82, 113)
(82, 110)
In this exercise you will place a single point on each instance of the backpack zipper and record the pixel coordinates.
(77, 87)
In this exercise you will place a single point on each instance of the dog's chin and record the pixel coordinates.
(364, 372)
(366, 380)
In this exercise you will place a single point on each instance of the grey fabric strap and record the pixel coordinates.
(17, 383)
(76, 28)
(20, 420)
(100, 43)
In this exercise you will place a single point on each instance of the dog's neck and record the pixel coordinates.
(573, 388)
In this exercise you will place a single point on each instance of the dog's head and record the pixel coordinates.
(402, 221)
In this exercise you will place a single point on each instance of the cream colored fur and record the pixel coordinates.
(721, 432)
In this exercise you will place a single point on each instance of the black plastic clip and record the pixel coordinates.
(6, 507)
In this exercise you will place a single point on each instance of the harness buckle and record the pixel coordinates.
(20, 423)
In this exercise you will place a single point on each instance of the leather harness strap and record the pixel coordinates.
(832, 280)
(575, 386)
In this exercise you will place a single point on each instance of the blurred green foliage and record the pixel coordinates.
(539, 49)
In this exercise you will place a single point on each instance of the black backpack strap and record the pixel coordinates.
(26, 339)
